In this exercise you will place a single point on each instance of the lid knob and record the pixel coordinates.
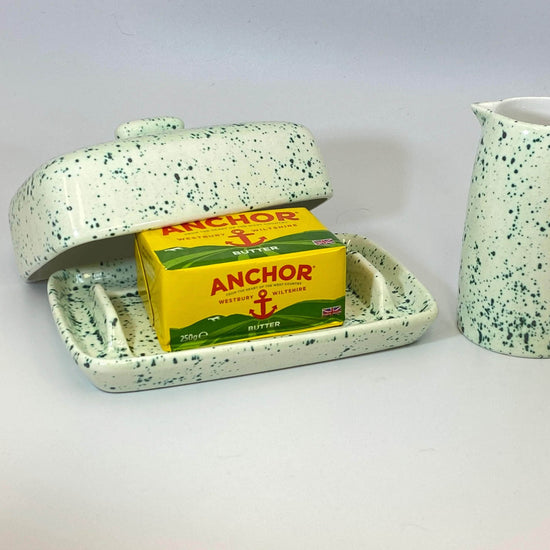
(148, 126)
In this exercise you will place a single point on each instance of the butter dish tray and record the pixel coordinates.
(103, 322)
(74, 219)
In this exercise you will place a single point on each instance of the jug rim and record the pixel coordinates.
(529, 110)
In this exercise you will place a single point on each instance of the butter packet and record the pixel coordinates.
(240, 277)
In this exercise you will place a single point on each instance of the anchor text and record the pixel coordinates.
(256, 275)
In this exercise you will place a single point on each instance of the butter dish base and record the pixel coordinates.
(104, 325)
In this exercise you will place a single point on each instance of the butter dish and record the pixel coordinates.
(104, 324)
(74, 219)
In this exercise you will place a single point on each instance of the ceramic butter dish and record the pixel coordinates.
(75, 218)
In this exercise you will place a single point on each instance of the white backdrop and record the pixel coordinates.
(437, 445)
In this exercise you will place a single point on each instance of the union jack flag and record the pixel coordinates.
(334, 310)
(319, 242)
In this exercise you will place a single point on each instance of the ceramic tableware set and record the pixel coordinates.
(72, 222)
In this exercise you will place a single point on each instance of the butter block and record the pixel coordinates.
(240, 277)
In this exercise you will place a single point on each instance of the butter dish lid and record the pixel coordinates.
(157, 173)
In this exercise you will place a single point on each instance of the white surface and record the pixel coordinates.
(437, 445)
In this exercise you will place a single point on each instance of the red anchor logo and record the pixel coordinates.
(240, 234)
(263, 301)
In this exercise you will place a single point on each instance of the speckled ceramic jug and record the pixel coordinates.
(504, 288)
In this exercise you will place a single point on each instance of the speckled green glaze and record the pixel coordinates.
(504, 283)
(103, 322)
(155, 174)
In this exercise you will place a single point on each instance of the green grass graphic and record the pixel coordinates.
(218, 329)
(185, 257)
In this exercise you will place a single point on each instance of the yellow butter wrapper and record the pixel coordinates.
(240, 277)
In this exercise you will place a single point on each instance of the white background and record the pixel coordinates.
(439, 445)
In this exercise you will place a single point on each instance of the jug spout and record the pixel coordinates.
(483, 110)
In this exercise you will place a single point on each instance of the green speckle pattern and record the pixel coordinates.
(504, 288)
(103, 322)
(156, 174)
